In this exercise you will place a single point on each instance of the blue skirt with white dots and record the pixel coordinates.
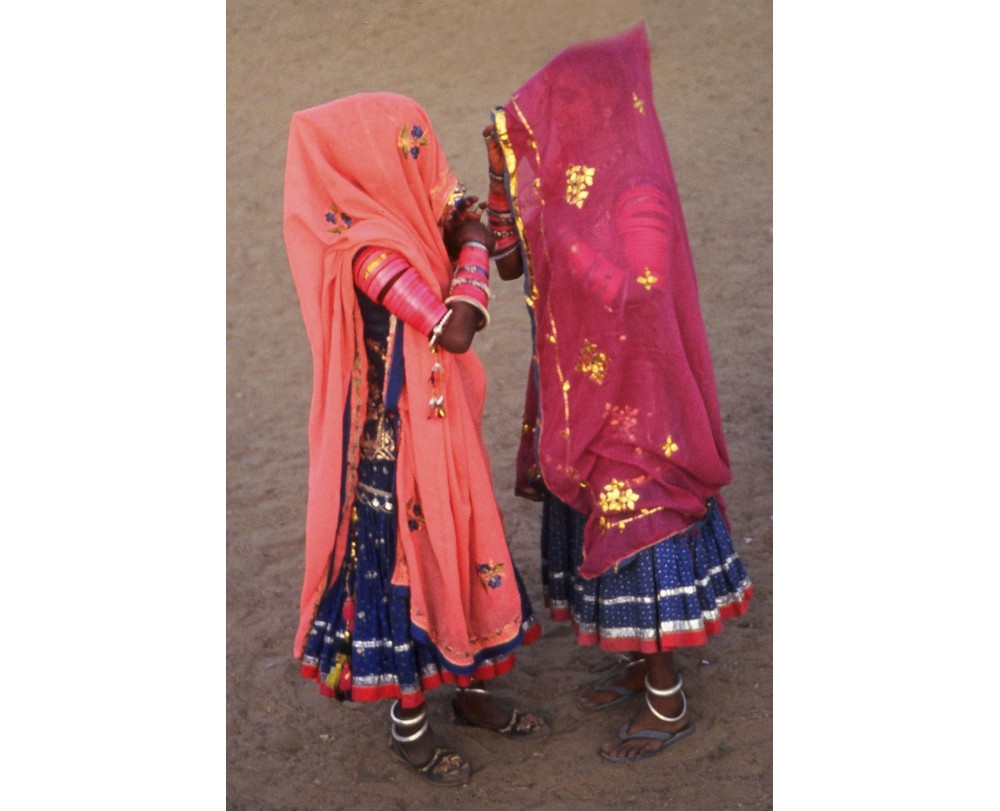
(674, 594)
(362, 645)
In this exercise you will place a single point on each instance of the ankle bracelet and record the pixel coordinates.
(664, 693)
(480, 690)
(410, 738)
(666, 718)
(406, 722)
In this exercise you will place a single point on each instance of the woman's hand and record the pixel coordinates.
(465, 222)
(470, 227)
(494, 154)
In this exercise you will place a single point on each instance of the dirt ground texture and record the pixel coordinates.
(290, 748)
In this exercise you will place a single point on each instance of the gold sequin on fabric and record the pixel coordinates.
(578, 178)
(638, 103)
(618, 497)
(670, 447)
(371, 266)
(618, 523)
(592, 362)
(381, 445)
(647, 279)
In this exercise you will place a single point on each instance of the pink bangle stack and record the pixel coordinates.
(387, 279)
(471, 279)
(501, 223)
(643, 217)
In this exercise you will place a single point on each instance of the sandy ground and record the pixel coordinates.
(290, 748)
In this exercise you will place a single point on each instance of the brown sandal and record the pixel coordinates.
(444, 768)
(523, 725)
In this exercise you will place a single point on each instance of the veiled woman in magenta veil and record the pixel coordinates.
(622, 434)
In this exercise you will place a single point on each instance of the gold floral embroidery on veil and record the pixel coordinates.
(578, 178)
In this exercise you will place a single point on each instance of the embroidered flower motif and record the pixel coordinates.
(491, 574)
(453, 205)
(414, 515)
(638, 103)
(592, 362)
(338, 219)
(622, 419)
(618, 497)
(578, 177)
(670, 447)
(647, 279)
(410, 142)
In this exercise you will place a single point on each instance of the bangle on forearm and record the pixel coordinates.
(461, 284)
(470, 249)
(504, 235)
(473, 269)
(485, 320)
(643, 224)
(505, 251)
(374, 270)
(387, 279)
(493, 175)
(474, 253)
(497, 200)
(499, 215)
(411, 299)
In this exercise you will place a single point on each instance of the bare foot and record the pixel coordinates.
(627, 683)
(624, 748)
(480, 707)
(477, 707)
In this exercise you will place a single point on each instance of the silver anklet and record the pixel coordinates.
(410, 738)
(481, 690)
(666, 718)
(406, 722)
(664, 693)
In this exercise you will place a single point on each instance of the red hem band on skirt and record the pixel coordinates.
(666, 642)
(414, 698)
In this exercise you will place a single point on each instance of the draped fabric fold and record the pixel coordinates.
(368, 170)
(627, 429)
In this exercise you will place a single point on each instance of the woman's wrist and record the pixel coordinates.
(476, 231)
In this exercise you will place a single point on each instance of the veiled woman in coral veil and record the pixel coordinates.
(408, 579)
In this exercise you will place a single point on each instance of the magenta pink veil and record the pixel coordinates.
(622, 417)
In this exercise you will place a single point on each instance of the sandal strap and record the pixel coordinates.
(514, 724)
(666, 718)
(410, 738)
(406, 722)
(664, 693)
(481, 690)
(441, 754)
